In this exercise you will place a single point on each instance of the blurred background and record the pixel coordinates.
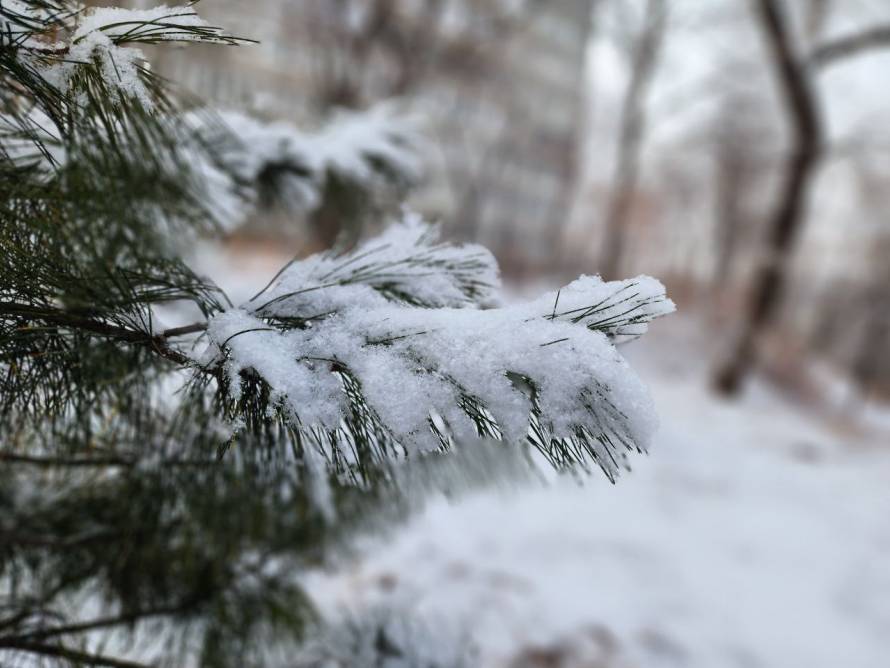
(739, 151)
(613, 137)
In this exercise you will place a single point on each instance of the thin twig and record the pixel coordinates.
(76, 656)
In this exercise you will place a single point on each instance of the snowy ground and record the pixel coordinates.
(755, 535)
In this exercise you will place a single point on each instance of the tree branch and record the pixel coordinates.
(849, 46)
(92, 625)
(785, 221)
(156, 343)
(185, 330)
(85, 462)
(72, 655)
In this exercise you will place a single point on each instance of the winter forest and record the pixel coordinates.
(444, 334)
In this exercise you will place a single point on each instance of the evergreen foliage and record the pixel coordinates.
(166, 484)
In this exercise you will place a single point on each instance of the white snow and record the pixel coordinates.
(120, 66)
(755, 535)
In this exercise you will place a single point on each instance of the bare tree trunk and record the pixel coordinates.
(633, 124)
(732, 171)
(784, 223)
(870, 366)
(572, 176)
(870, 359)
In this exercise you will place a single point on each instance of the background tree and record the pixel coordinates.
(643, 56)
(803, 107)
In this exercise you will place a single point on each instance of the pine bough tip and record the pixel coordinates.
(385, 351)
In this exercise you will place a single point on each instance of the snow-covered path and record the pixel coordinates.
(752, 536)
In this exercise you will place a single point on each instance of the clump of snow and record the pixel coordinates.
(119, 66)
(351, 143)
(400, 314)
(245, 147)
(620, 309)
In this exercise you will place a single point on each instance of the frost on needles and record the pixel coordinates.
(392, 350)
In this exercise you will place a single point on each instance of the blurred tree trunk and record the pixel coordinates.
(560, 217)
(644, 60)
(870, 362)
(870, 366)
(735, 167)
(788, 214)
(729, 219)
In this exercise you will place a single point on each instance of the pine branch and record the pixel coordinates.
(156, 343)
(92, 625)
(343, 311)
(342, 175)
(98, 462)
(70, 655)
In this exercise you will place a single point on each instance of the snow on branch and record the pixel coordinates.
(92, 49)
(621, 310)
(149, 26)
(405, 263)
(386, 352)
(359, 146)
(243, 157)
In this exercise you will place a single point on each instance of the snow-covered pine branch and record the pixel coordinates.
(91, 92)
(385, 352)
(247, 163)
(99, 44)
(77, 88)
